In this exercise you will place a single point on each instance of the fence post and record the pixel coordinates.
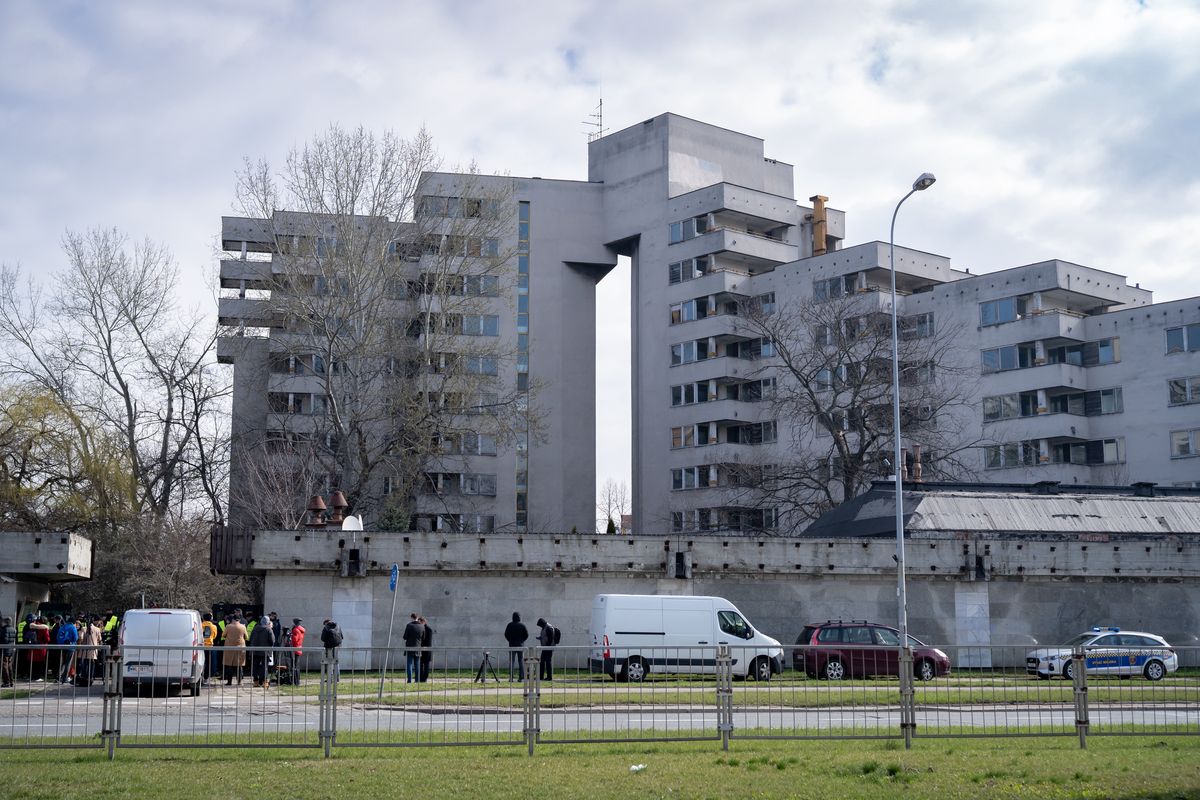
(533, 694)
(908, 711)
(327, 700)
(110, 715)
(724, 694)
(1079, 679)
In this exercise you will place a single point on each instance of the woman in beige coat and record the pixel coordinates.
(234, 660)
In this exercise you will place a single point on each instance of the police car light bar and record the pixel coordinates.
(1097, 629)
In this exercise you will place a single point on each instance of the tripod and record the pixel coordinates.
(487, 665)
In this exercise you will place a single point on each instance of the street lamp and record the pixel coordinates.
(919, 185)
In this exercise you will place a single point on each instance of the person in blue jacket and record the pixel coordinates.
(68, 634)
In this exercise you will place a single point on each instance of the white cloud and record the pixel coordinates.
(1056, 130)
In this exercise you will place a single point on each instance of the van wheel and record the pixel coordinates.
(834, 670)
(926, 671)
(636, 670)
(1154, 671)
(195, 688)
(761, 669)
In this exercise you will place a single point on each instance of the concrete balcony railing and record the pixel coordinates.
(250, 312)
(1041, 376)
(1042, 426)
(237, 273)
(737, 249)
(1048, 325)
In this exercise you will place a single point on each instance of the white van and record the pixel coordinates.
(636, 634)
(162, 646)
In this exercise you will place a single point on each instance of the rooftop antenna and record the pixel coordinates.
(596, 122)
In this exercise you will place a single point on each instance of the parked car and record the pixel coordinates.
(1107, 651)
(835, 649)
(162, 647)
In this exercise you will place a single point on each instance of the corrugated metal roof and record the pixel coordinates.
(1062, 513)
(962, 511)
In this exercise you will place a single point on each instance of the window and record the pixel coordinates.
(1183, 338)
(689, 269)
(1185, 444)
(479, 484)
(1005, 406)
(689, 228)
(690, 393)
(688, 352)
(831, 288)
(1181, 391)
(683, 437)
(690, 478)
(1013, 356)
(1011, 454)
(996, 312)
(919, 326)
(481, 365)
(1093, 453)
(480, 325)
(732, 624)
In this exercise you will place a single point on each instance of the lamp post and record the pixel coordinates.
(920, 184)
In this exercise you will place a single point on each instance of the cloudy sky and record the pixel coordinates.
(1064, 129)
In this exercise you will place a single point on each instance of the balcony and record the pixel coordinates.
(1043, 426)
(247, 312)
(718, 411)
(766, 210)
(257, 235)
(1053, 326)
(237, 273)
(738, 249)
(1040, 376)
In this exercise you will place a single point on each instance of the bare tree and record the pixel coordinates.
(830, 394)
(612, 504)
(388, 312)
(109, 345)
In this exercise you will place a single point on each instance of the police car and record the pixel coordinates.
(1107, 651)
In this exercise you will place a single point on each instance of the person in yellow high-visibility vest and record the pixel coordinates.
(210, 631)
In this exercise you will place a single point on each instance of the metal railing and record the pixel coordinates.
(461, 696)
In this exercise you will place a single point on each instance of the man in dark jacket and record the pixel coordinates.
(262, 638)
(426, 648)
(515, 633)
(546, 640)
(8, 651)
(414, 632)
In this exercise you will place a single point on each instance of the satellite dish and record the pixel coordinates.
(352, 523)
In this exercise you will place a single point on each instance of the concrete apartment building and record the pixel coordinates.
(1079, 377)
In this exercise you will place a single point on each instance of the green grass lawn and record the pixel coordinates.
(1153, 767)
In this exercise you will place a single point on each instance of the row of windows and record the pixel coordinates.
(1030, 453)
(468, 483)
(1023, 356)
(706, 433)
(1025, 404)
(467, 444)
(704, 349)
(522, 477)
(707, 306)
(458, 207)
(725, 519)
(434, 244)
(446, 285)
(458, 523)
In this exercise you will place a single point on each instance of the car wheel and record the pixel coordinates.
(1154, 671)
(834, 670)
(1068, 669)
(761, 669)
(926, 671)
(195, 688)
(636, 670)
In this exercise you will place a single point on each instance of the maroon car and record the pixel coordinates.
(837, 649)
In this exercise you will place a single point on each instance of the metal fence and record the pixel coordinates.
(461, 696)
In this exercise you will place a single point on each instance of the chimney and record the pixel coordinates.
(338, 505)
(819, 227)
(903, 465)
(316, 512)
(916, 468)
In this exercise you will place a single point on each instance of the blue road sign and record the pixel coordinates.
(395, 577)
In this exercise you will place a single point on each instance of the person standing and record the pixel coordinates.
(426, 648)
(516, 634)
(296, 643)
(331, 638)
(209, 630)
(546, 638)
(234, 660)
(414, 632)
(8, 651)
(262, 639)
(68, 637)
(90, 642)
